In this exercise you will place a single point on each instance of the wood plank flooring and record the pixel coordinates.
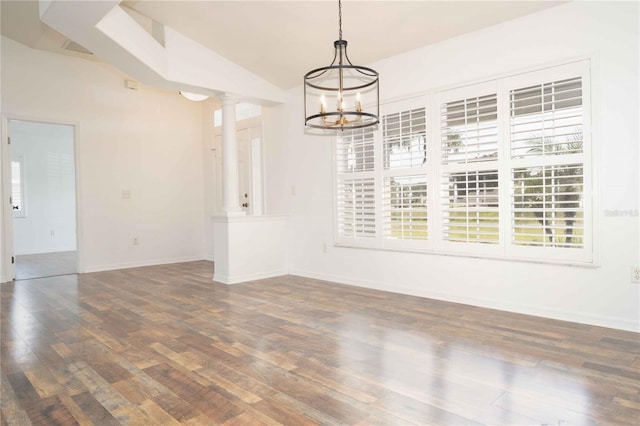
(166, 345)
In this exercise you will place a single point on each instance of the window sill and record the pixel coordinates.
(432, 252)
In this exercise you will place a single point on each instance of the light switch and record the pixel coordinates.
(126, 194)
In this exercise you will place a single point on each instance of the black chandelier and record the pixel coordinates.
(341, 95)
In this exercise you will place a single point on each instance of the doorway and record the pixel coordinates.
(43, 195)
(249, 141)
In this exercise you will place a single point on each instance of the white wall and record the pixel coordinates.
(601, 295)
(147, 142)
(250, 248)
(47, 159)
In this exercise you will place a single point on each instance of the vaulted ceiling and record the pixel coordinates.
(279, 41)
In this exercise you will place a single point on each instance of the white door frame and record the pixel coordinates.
(7, 268)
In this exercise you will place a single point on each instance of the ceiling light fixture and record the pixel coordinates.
(341, 95)
(196, 97)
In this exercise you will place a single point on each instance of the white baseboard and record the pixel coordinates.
(57, 250)
(139, 264)
(577, 317)
(237, 279)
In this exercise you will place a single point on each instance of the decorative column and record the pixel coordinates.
(230, 179)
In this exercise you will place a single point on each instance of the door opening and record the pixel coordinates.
(43, 199)
(249, 141)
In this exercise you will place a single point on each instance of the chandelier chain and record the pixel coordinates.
(340, 19)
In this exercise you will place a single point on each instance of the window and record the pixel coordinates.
(404, 148)
(498, 169)
(17, 188)
(548, 173)
(469, 156)
(356, 185)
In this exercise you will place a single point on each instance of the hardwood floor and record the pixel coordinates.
(166, 345)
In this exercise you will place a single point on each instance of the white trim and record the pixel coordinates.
(437, 252)
(243, 278)
(141, 263)
(57, 250)
(80, 244)
(7, 270)
(7, 242)
(593, 156)
(556, 314)
(249, 218)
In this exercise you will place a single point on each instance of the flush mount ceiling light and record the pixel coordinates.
(194, 96)
(341, 95)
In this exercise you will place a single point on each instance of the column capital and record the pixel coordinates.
(228, 98)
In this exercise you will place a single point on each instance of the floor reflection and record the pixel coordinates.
(298, 351)
(431, 375)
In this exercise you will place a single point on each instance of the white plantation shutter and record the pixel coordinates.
(469, 147)
(498, 169)
(547, 206)
(355, 151)
(404, 139)
(470, 207)
(405, 207)
(546, 135)
(546, 119)
(356, 207)
(356, 200)
(404, 147)
(469, 130)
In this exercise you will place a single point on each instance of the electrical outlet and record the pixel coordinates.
(136, 242)
(635, 274)
(324, 247)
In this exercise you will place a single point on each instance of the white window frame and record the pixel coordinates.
(440, 98)
(585, 255)
(22, 213)
(382, 174)
(502, 86)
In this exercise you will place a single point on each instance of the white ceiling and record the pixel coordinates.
(281, 40)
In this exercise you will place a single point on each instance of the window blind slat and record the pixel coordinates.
(404, 194)
(547, 206)
(469, 130)
(356, 208)
(405, 207)
(404, 139)
(355, 151)
(470, 207)
(547, 200)
(546, 119)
